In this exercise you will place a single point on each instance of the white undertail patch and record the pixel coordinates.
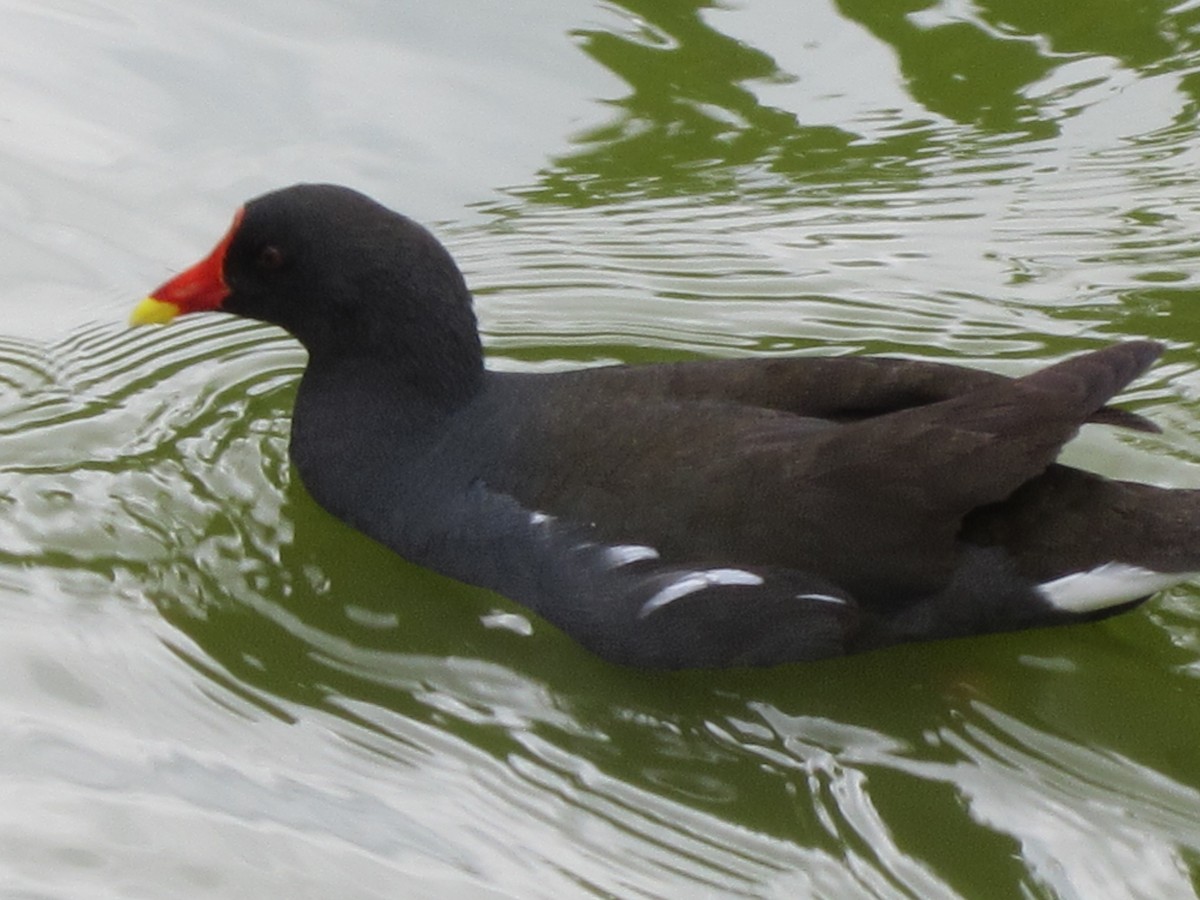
(697, 581)
(1111, 584)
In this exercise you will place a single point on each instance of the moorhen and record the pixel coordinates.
(714, 513)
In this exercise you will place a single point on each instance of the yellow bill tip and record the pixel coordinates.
(153, 312)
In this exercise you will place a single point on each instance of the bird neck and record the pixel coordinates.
(436, 365)
(433, 380)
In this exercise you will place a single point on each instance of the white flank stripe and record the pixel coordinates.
(1107, 585)
(825, 598)
(624, 554)
(697, 581)
(731, 576)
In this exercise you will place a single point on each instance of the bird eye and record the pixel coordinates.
(270, 257)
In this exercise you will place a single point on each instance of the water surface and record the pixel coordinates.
(210, 688)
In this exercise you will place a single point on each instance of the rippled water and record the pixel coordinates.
(210, 688)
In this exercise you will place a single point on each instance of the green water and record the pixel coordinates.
(208, 688)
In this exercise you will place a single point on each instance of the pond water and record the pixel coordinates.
(208, 688)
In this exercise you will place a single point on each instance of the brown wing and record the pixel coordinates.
(843, 388)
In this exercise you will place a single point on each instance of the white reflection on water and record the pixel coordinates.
(1088, 823)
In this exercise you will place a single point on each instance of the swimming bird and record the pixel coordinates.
(715, 513)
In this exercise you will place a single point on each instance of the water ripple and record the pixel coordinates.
(149, 468)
